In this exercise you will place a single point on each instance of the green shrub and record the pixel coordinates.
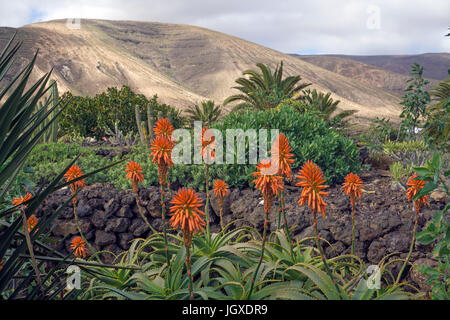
(399, 172)
(191, 176)
(310, 138)
(80, 117)
(414, 101)
(437, 231)
(47, 160)
(379, 132)
(335, 154)
(96, 116)
(410, 153)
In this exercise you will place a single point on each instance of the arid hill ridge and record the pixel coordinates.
(366, 73)
(182, 64)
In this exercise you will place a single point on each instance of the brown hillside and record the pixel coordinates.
(435, 64)
(182, 64)
(366, 73)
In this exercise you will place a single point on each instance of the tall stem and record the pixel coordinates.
(288, 234)
(169, 188)
(30, 249)
(77, 222)
(279, 211)
(322, 255)
(189, 272)
(163, 216)
(143, 215)
(221, 212)
(353, 231)
(263, 246)
(207, 199)
(410, 247)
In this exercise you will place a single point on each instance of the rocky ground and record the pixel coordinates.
(384, 218)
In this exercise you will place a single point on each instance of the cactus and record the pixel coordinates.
(116, 137)
(54, 102)
(52, 131)
(139, 124)
(150, 121)
(144, 131)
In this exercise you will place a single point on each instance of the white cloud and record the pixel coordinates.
(320, 26)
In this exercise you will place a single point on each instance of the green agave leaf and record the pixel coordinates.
(362, 292)
(320, 279)
(155, 286)
(122, 293)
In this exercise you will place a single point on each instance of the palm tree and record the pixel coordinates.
(208, 113)
(265, 90)
(326, 106)
(438, 120)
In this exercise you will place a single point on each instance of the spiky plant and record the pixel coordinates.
(353, 188)
(283, 157)
(140, 125)
(20, 131)
(207, 113)
(415, 185)
(438, 114)
(51, 102)
(161, 154)
(186, 215)
(135, 175)
(221, 190)
(326, 107)
(208, 146)
(265, 90)
(312, 180)
(270, 184)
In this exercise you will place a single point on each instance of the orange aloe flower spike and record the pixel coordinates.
(164, 128)
(18, 201)
(270, 184)
(75, 172)
(312, 181)
(352, 187)
(414, 187)
(134, 173)
(161, 148)
(32, 221)
(208, 145)
(265, 180)
(186, 213)
(78, 246)
(282, 155)
(221, 189)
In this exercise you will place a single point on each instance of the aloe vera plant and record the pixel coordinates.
(22, 125)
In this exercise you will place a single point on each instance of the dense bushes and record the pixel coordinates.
(310, 138)
(92, 117)
(47, 160)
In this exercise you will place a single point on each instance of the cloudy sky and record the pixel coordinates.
(292, 26)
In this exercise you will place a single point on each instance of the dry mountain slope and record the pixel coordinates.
(86, 62)
(435, 64)
(182, 64)
(366, 73)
